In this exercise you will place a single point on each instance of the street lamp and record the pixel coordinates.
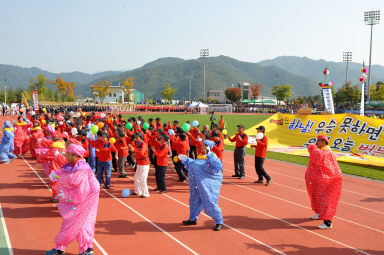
(203, 54)
(371, 18)
(347, 57)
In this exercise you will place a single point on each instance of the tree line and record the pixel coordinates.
(347, 94)
(64, 91)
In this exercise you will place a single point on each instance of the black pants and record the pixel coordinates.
(151, 156)
(114, 161)
(259, 162)
(193, 152)
(130, 159)
(97, 160)
(155, 161)
(238, 157)
(180, 171)
(160, 177)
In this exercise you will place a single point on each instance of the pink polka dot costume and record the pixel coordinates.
(78, 201)
(324, 181)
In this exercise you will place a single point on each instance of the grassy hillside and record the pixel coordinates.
(221, 73)
(314, 69)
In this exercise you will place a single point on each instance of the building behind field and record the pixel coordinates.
(245, 90)
(218, 95)
(117, 95)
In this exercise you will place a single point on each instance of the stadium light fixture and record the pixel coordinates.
(204, 53)
(371, 18)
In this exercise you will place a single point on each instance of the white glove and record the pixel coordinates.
(74, 131)
(199, 139)
(56, 153)
(182, 157)
(40, 140)
(53, 176)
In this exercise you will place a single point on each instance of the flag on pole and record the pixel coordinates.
(24, 100)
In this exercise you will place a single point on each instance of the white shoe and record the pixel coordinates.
(315, 217)
(323, 226)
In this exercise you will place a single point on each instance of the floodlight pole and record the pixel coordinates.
(369, 69)
(347, 57)
(203, 54)
(190, 81)
(371, 18)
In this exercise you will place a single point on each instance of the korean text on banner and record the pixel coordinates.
(35, 99)
(328, 100)
(353, 138)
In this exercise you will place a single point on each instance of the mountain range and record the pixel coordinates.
(302, 73)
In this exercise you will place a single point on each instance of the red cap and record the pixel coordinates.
(323, 137)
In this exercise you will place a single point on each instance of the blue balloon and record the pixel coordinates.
(195, 123)
(126, 192)
(71, 112)
(171, 132)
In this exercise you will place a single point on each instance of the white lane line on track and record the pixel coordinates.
(297, 204)
(282, 220)
(289, 187)
(296, 178)
(153, 224)
(7, 239)
(232, 228)
(49, 188)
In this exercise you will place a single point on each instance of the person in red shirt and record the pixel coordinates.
(260, 153)
(82, 137)
(104, 164)
(241, 140)
(150, 122)
(181, 144)
(215, 127)
(175, 124)
(195, 133)
(161, 154)
(142, 165)
(158, 124)
(122, 149)
(111, 133)
(219, 145)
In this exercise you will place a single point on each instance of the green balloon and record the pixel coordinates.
(129, 125)
(94, 129)
(186, 127)
(145, 126)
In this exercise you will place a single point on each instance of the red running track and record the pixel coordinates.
(258, 219)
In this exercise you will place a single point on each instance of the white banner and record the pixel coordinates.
(328, 100)
(35, 99)
(362, 100)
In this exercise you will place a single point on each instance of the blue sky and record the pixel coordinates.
(100, 35)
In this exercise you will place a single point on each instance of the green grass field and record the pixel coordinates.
(248, 121)
(231, 120)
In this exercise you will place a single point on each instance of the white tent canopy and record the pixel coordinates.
(198, 104)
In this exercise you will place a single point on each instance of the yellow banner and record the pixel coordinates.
(353, 138)
(24, 100)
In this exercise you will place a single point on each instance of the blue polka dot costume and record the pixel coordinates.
(205, 178)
